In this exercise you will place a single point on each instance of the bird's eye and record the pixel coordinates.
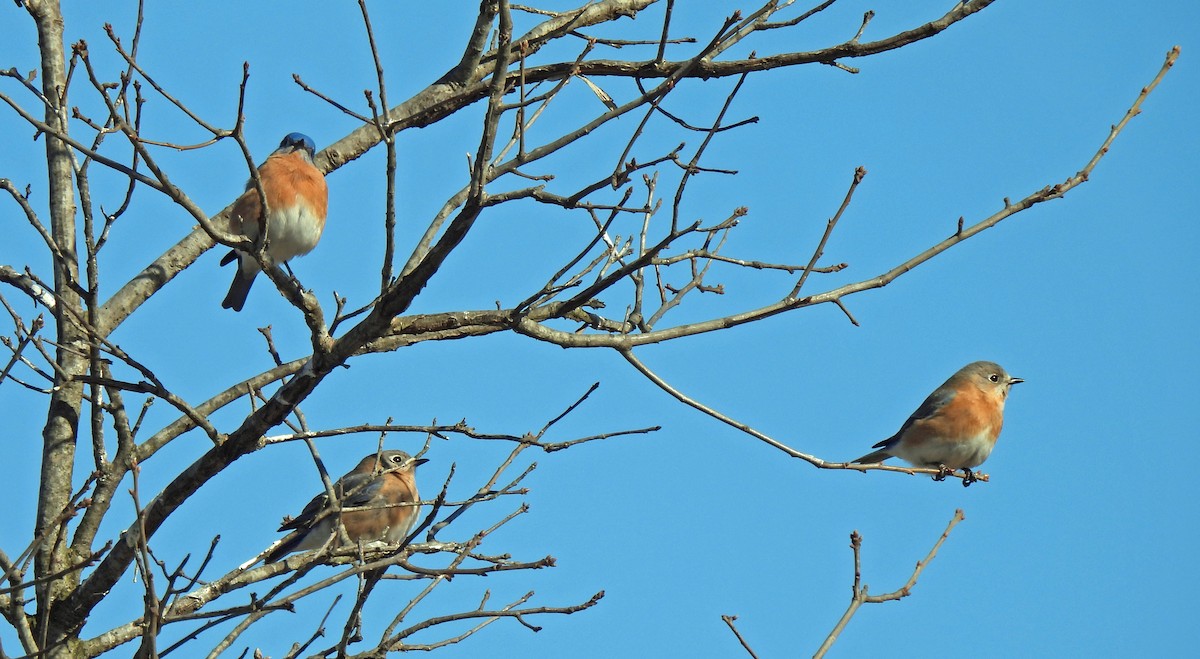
(396, 459)
(994, 378)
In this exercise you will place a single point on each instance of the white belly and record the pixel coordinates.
(292, 232)
(955, 454)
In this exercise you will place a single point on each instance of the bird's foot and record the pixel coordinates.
(969, 478)
(943, 472)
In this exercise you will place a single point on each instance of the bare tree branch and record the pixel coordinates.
(642, 258)
(860, 595)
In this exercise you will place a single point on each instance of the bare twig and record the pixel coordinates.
(859, 594)
(746, 646)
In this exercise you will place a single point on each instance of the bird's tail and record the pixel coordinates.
(283, 548)
(240, 288)
(874, 457)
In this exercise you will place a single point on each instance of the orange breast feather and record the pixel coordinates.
(284, 179)
(968, 414)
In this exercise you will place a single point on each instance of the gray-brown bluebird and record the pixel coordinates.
(957, 425)
(378, 487)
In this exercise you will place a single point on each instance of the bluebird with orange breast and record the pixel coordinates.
(957, 425)
(297, 200)
(379, 487)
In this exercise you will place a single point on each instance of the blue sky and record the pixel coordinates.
(1081, 543)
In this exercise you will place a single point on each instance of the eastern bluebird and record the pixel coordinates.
(957, 425)
(297, 200)
(378, 484)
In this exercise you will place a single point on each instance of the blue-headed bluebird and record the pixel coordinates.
(297, 200)
(379, 486)
(957, 425)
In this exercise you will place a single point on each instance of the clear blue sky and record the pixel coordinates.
(1082, 543)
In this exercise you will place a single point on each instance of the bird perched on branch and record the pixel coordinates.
(297, 201)
(957, 425)
(379, 486)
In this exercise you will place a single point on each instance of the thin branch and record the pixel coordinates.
(746, 646)
(860, 595)
(811, 459)
(859, 173)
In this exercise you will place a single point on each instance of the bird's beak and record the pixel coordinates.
(1015, 380)
(418, 462)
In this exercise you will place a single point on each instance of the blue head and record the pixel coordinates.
(297, 142)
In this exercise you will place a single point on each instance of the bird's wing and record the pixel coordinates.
(361, 488)
(940, 398)
(363, 492)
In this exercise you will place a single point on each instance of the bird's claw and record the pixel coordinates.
(969, 478)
